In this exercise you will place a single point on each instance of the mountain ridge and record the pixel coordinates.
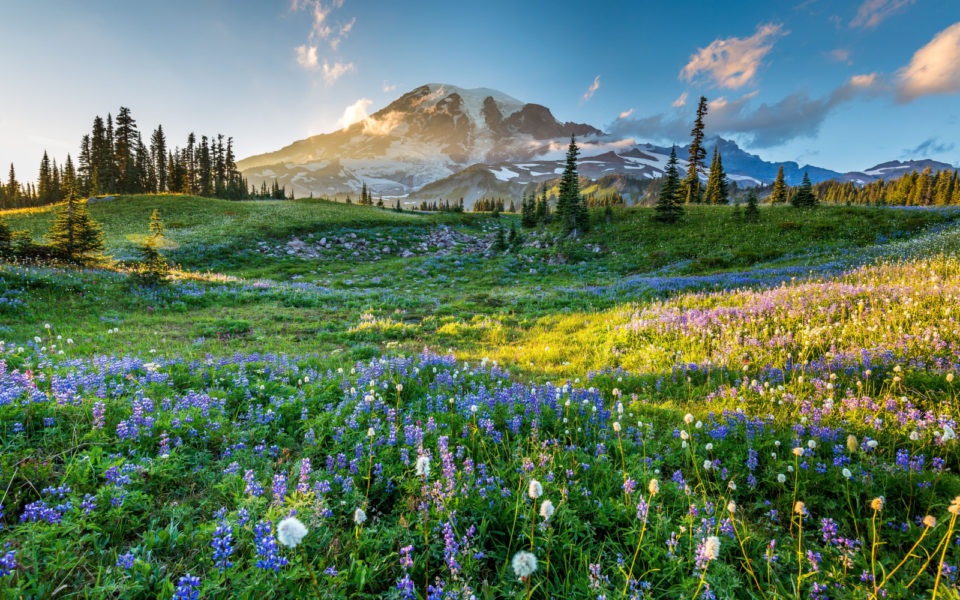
(438, 137)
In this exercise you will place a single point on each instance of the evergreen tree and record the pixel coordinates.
(804, 198)
(779, 195)
(691, 184)
(74, 234)
(752, 213)
(158, 151)
(153, 268)
(13, 189)
(500, 243)
(156, 225)
(668, 208)
(571, 211)
(717, 186)
(125, 146)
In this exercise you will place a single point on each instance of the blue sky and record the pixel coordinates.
(842, 85)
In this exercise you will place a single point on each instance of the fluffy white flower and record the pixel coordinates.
(290, 532)
(708, 447)
(654, 487)
(846, 473)
(616, 426)
(524, 564)
(535, 490)
(732, 506)
(359, 516)
(688, 418)
(781, 478)
(423, 466)
(711, 548)
(546, 509)
(948, 434)
(707, 465)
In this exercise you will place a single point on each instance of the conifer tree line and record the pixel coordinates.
(926, 188)
(114, 159)
(442, 206)
(489, 205)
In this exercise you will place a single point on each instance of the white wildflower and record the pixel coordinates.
(524, 564)
(290, 532)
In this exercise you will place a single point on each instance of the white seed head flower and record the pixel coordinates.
(877, 503)
(688, 418)
(846, 473)
(535, 490)
(699, 424)
(423, 466)
(949, 377)
(708, 447)
(914, 436)
(798, 451)
(852, 443)
(546, 509)
(524, 564)
(781, 478)
(811, 444)
(954, 507)
(616, 426)
(370, 432)
(290, 532)
(359, 516)
(711, 548)
(948, 434)
(873, 444)
(800, 508)
(707, 465)
(930, 521)
(654, 487)
(732, 485)
(684, 435)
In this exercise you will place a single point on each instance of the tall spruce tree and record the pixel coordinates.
(668, 208)
(779, 195)
(6, 237)
(805, 198)
(752, 212)
(158, 151)
(691, 184)
(571, 210)
(717, 185)
(74, 234)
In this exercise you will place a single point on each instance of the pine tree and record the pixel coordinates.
(691, 184)
(153, 268)
(668, 208)
(125, 146)
(74, 234)
(779, 195)
(717, 186)
(543, 209)
(528, 212)
(158, 151)
(500, 244)
(752, 213)
(571, 211)
(805, 198)
(156, 225)
(13, 189)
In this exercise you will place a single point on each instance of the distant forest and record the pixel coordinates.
(926, 188)
(114, 159)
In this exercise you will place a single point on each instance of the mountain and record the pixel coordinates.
(442, 142)
(428, 133)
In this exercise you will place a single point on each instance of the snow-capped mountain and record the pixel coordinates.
(429, 133)
(442, 142)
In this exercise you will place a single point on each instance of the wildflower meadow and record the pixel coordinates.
(782, 429)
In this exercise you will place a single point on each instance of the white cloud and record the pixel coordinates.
(592, 89)
(733, 62)
(354, 113)
(680, 101)
(872, 12)
(331, 73)
(626, 113)
(796, 115)
(388, 87)
(934, 69)
(307, 56)
(840, 55)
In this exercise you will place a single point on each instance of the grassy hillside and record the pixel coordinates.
(210, 221)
